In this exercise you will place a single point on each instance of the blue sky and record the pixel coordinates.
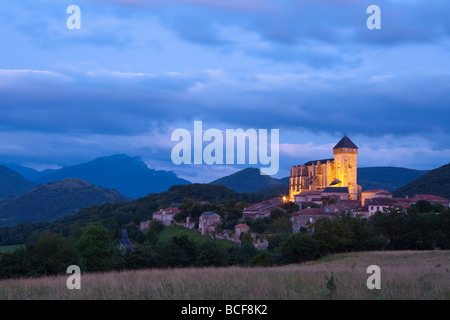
(139, 69)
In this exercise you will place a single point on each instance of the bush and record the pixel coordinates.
(264, 259)
(300, 248)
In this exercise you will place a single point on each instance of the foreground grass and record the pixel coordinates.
(404, 275)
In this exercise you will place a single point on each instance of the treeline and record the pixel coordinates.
(95, 247)
(97, 250)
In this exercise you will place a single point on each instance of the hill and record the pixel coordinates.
(51, 201)
(389, 178)
(28, 173)
(248, 180)
(436, 182)
(128, 175)
(12, 183)
(122, 213)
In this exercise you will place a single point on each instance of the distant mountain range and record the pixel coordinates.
(249, 180)
(54, 200)
(435, 182)
(128, 175)
(389, 178)
(28, 173)
(12, 183)
(65, 191)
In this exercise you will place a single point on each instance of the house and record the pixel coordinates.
(144, 225)
(430, 198)
(190, 223)
(337, 208)
(208, 222)
(308, 197)
(166, 215)
(303, 217)
(261, 210)
(239, 229)
(381, 204)
(374, 193)
(341, 193)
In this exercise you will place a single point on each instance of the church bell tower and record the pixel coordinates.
(345, 160)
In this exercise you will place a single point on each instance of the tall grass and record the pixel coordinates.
(404, 275)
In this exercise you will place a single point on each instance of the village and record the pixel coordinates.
(320, 188)
(329, 203)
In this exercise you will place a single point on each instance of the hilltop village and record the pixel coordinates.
(320, 188)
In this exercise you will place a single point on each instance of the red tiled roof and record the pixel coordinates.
(374, 191)
(427, 197)
(311, 212)
(169, 211)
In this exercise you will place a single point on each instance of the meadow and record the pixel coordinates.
(409, 275)
(11, 248)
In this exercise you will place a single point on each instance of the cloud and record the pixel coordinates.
(298, 66)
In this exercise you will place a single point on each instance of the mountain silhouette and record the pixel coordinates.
(128, 175)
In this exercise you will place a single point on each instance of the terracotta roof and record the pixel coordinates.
(241, 225)
(418, 197)
(350, 203)
(376, 191)
(311, 212)
(169, 211)
(388, 201)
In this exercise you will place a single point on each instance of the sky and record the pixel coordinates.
(137, 70)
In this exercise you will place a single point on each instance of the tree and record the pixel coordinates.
(51, 254)
(245, 254)
(264, 259)
(156, 226)
(14, 264)
(278, 213)
(210, 254)
(260, 225)
(290, 207)
(300, 247)
(282, 224)
(332, 234)
(421, 206)
(180, 251)
(392, 223)
(96, 248)
(141, 257)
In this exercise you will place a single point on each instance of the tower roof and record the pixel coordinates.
(345, 143)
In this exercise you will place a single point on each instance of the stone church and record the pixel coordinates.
(340, 171)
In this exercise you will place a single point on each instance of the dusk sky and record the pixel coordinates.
(139, 69)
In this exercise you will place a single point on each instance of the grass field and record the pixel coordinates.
(408, 275)
(168, 232)
(10, 248)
